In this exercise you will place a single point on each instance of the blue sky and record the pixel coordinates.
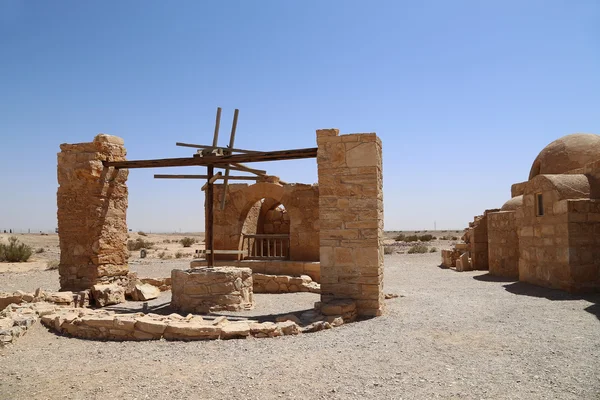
(464, 94)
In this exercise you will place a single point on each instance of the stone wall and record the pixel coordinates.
(272, 267)
(263, 283)
(276, 221)
(503, 244)
(555, 248)
(92, 205)
(543, 240)
(204, 290)
(517, 189)
(351, 219)
(300, 201)
(584, 245)
(479, 241)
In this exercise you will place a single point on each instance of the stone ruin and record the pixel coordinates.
(334, 246)
(548, 233)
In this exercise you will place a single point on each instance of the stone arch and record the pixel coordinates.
(300, 201)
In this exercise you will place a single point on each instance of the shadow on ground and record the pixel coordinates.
(491, 278)
(527, 289)
(165, 309)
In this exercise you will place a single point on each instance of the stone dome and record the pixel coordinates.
(513, 203)
(567, 153)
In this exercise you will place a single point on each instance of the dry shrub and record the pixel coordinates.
(433, 250)
(411, 238)
(187, 241)
(425, 238)
(400, 237)
(418, 249)
(15, 251)
(138, 244)
(388, 249)
(52, 265)
(142, 233)
(179, 254)
(40, 250)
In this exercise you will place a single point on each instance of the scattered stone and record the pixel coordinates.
(105, 295)
(235, 330)
(145, 292)
(289, 317)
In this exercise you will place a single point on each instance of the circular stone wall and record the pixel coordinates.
(202, 290)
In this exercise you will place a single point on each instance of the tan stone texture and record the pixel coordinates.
(301, 216)
(351, 219)
(92, 205)
(503, 244)
(272, 267)
(559, 249)
(203, 290)
(565, 154)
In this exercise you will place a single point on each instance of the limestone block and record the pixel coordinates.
(104, 295)
(235, 330)
(145, 292)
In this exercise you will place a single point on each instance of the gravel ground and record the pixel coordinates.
(450, 335)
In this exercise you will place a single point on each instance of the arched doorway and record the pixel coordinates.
(266, 231)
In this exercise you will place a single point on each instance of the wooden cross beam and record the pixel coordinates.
(238, 178)
(217, 161)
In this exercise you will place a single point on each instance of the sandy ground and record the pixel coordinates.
(450, 335)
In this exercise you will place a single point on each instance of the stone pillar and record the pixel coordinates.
(92, 205)
(351, 219)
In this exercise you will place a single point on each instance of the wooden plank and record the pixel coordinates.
(231, 141)
(217, 124)
(238, 177)
(216, 161)
(207, 147)
(211, 180)
(242, 167)
(202, 251)
(210, 238)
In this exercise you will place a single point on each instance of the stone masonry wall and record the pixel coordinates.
(301, 202)
(351, 219)
(92, 205)
(543, 240)
(204, 290)
(584, 245)
(503, 244)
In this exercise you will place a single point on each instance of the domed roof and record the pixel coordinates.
(567, 153)
(513, 203)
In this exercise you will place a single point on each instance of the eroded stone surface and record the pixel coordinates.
(204, 290)
(92, 202)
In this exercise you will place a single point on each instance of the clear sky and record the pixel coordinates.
(464, 94)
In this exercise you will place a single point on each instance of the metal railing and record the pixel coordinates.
(267, 247)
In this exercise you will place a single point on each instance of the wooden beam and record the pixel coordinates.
(217, 124)
(231, 141)
(208, 208)
(216, 161)
(206, 147)
(242, 167)
(212, 179)
(238, 177)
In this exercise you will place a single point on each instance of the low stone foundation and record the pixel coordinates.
(272, 267)
(283, 284)
(203, 290)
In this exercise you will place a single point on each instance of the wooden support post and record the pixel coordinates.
(217, 124)
(231, 141)
(210, 239)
